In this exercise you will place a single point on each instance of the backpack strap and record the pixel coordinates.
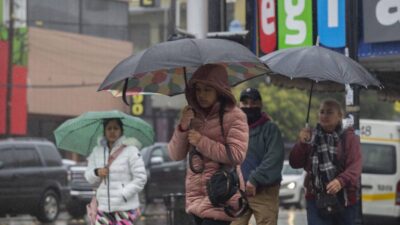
(114, 155)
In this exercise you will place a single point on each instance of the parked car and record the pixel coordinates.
(81, 191)
(292, 191)
(33, 178)
(67, 163)
(164, 176)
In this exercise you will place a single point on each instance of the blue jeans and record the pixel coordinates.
(346, 217)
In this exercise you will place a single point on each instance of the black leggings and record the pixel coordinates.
(205, 221)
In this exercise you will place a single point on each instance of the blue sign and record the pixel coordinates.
(331, 23)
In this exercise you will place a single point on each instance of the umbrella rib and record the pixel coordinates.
(198, 50)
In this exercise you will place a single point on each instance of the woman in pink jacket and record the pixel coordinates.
(209, 97)
(331, 156)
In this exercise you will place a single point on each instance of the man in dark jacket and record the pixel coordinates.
(263, 164)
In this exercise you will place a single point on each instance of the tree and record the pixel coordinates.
(286, 107)
(373, 108)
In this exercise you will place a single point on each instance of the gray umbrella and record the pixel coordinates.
(165, 67)
(316, 67)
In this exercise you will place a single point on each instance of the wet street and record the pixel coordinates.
(156, 215)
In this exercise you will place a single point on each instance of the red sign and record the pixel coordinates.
(18, 101)
(3, 84)
(267, 25)
(18, 95)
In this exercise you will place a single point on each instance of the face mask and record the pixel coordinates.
(252, 113)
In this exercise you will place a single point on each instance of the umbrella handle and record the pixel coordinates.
(309, 103)
(124, 92)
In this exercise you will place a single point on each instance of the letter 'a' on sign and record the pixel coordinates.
(267, 25)
(332, 23)
(381, 20)
(295, 23)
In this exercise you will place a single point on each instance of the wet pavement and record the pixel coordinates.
(156, 214)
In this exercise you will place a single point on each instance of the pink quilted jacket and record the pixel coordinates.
(211, 147)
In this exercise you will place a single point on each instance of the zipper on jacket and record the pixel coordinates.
(123, 194)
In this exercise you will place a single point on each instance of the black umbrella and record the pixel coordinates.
(165, 67)
(316, 67)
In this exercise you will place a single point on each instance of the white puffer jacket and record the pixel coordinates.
(127, 176)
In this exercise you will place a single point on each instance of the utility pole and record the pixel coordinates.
(197, 18)
(353, 93)
(172, 19)
(10, 67)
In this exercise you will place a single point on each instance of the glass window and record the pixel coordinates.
(51, 155)
(27, 157)
(7, 157)
(378, 159)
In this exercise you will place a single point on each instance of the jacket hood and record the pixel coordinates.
(213, 75)
(128, 141)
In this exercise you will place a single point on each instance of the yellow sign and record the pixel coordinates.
(147, 3)
(137, 105)
(397, 106)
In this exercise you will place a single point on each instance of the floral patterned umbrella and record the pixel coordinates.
(166, 67)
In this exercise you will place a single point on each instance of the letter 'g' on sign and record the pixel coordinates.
(295, 23)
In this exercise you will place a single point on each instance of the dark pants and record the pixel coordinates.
(204, 221)
(346, 217)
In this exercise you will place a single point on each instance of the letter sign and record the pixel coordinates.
(331, 23)
(267, 25)
(381, 20)
(295, 23)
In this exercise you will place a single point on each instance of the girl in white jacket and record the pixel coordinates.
(120, 184)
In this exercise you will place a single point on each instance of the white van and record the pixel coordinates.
(380, 144)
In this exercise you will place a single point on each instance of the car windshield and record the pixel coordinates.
(288, 170)
(378, 159)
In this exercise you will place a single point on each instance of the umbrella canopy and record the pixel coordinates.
(81, 134)
(166, 67)
(297, 67)
(316, 68)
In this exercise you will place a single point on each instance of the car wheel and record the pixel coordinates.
(302, 201)
(49, 207)
(76, 208)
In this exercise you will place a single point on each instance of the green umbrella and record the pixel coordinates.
(81, 134)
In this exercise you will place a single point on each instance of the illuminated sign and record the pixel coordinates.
(137, 108)
(147, 3)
